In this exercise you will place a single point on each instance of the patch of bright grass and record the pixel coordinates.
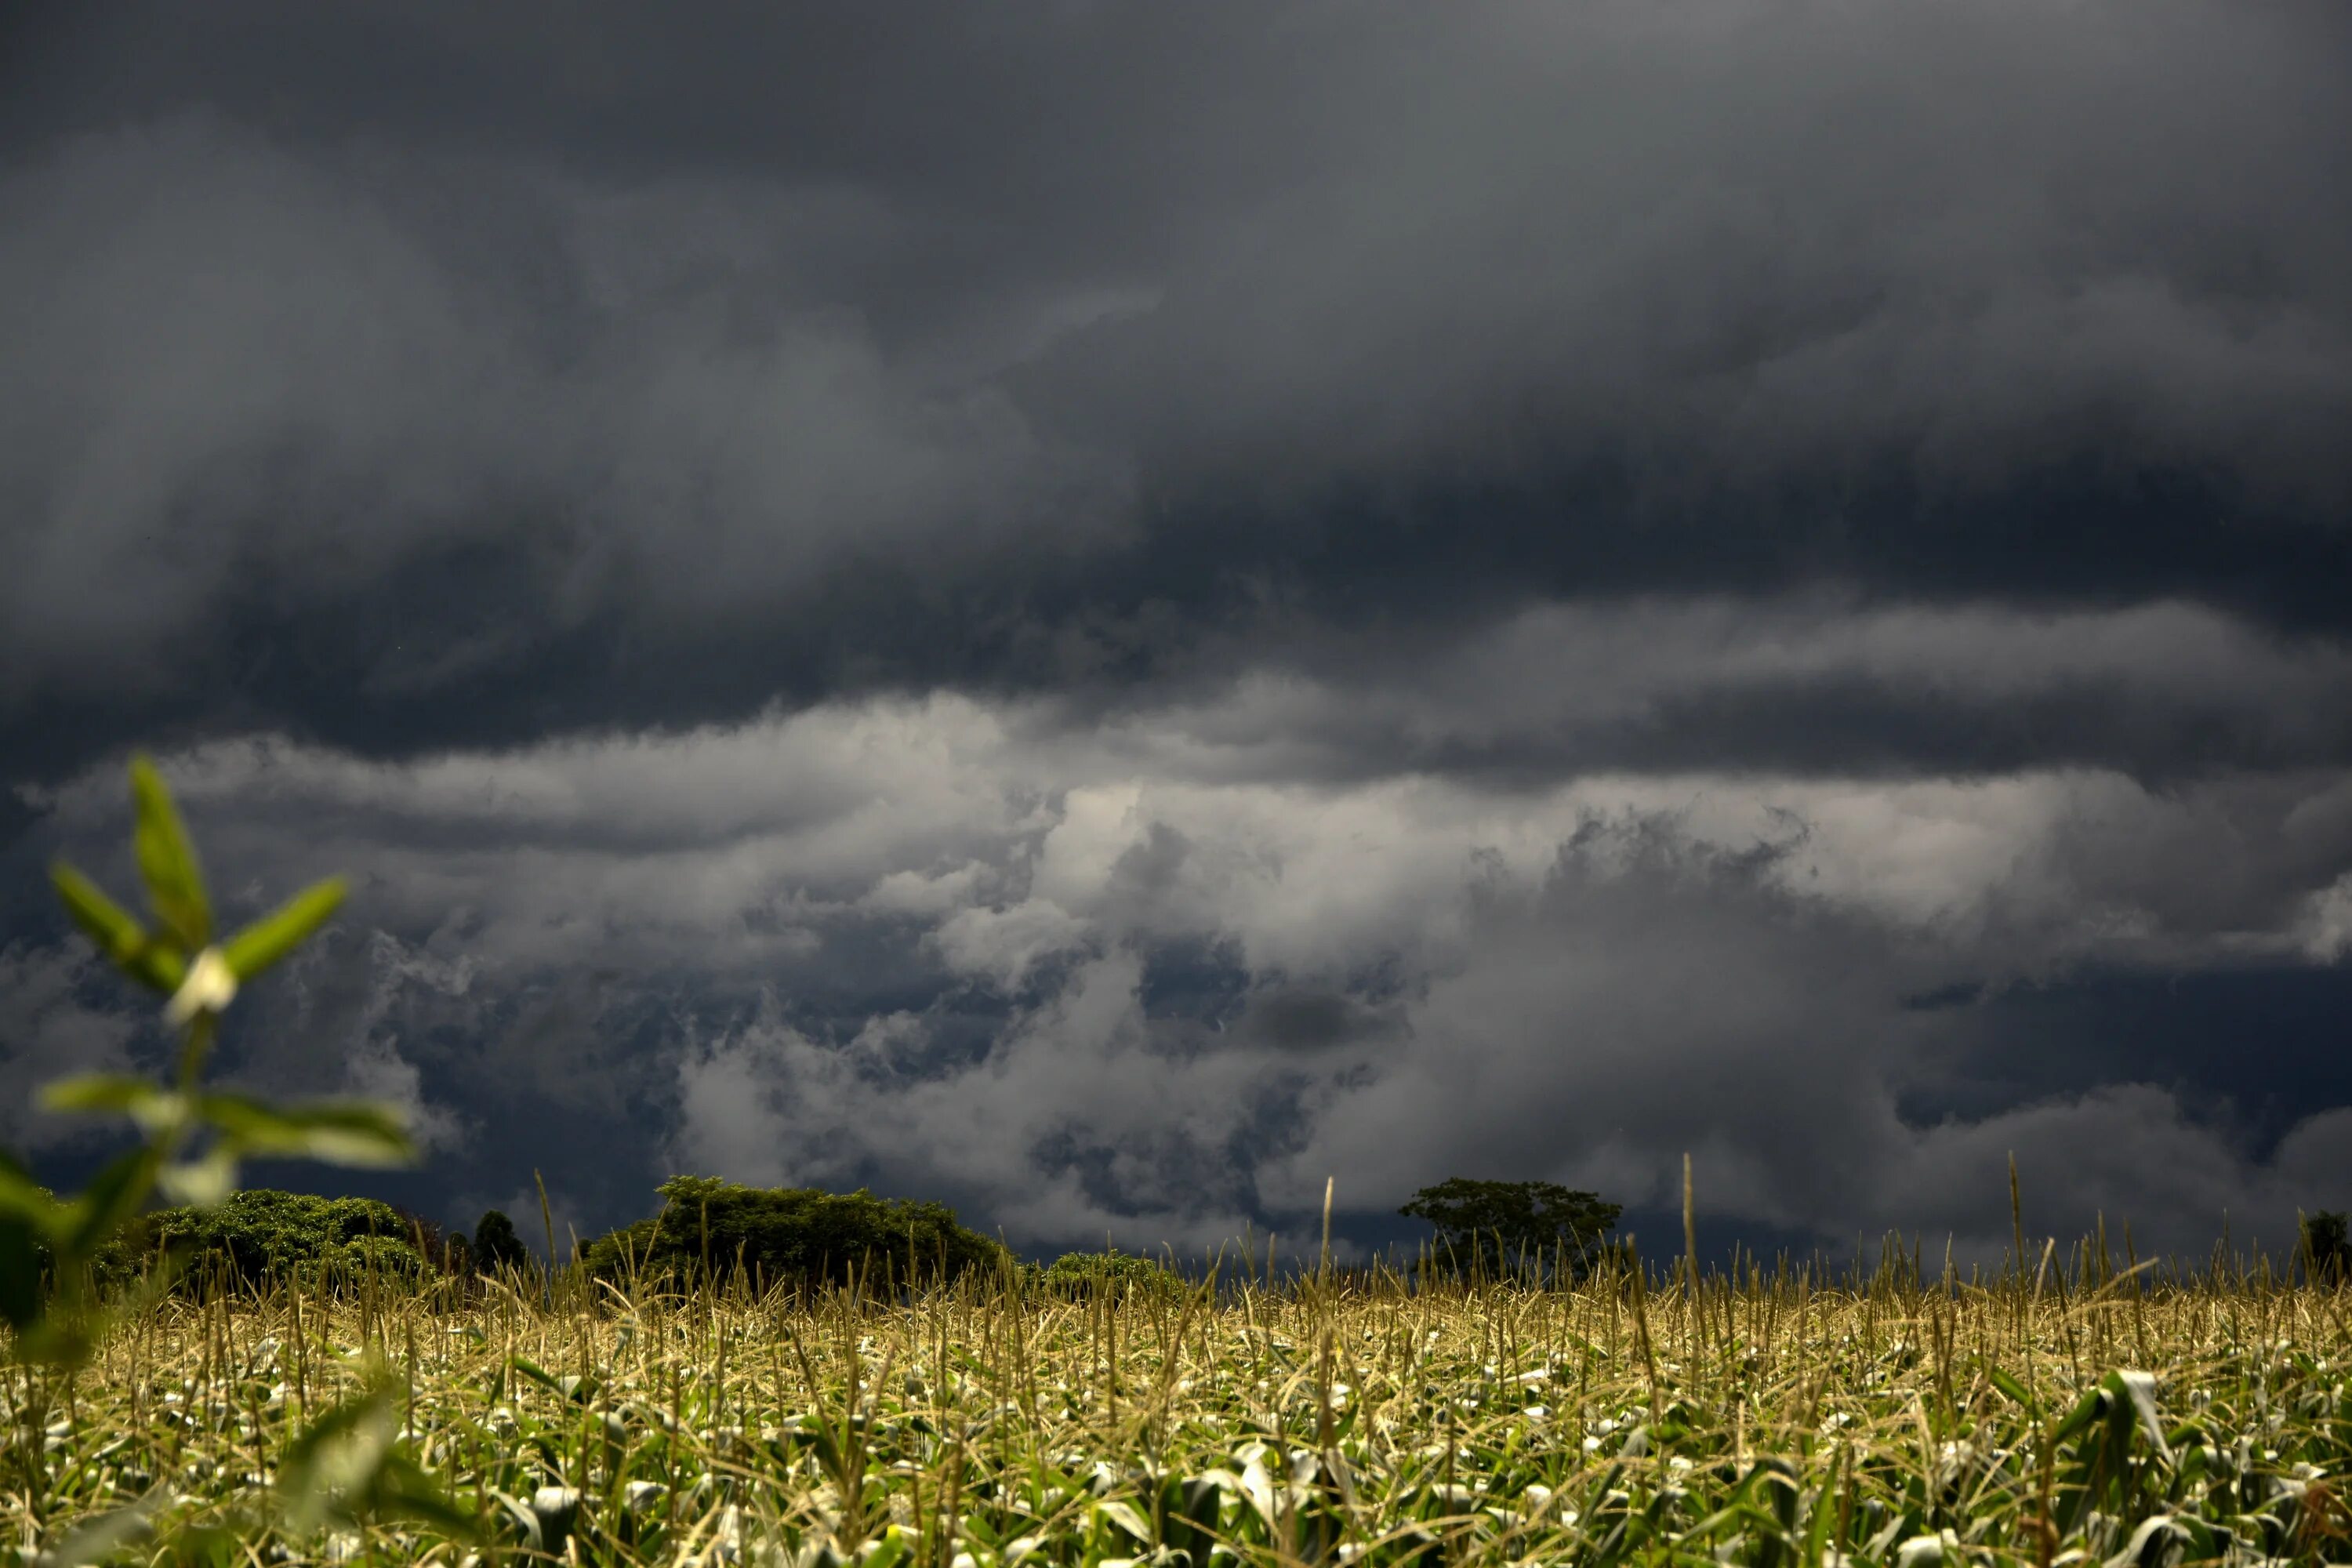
(1761, 1419)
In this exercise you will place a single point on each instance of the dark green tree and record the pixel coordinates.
(1497, 1227)
(790, 1235)
(258, 1234)
(2327, 1249)
(497, 1246)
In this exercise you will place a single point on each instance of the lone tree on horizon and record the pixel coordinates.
(2326, 1249)
(1492, 1227)
(497, 1246)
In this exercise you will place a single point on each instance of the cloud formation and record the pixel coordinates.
(1096, 979)
(1108, 613)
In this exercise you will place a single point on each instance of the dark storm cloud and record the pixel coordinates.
(1108, 613)
(636, 370)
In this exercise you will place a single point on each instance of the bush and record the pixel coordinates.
(2327, 1249)
(260, 1237)
(1113, 1273)
(790, 1235)
(497, 1247)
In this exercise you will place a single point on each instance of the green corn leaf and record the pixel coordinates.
(577, 1390)
(130, 946)
(2087, 1412)
(1818, 1522)
(2138, 1390)
(267, 941)
(1123, 1515)
(892, 1549)
(342, 1133)
(405, 1491)
(175, 886)
(2014, 1389)
(114, 929)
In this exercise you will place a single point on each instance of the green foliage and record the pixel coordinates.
(1493, 1229)
(193, 1140)
(1111, 1273)
(712, 1228)
(496, 1246)
(1789, 1420)
(62, 1258)
(260, 1237)
(2328, 1249)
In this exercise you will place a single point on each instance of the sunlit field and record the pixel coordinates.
(2074, 1413)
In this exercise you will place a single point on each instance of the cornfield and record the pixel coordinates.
(2067, 1413)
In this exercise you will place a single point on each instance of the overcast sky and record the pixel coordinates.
(1108, 612)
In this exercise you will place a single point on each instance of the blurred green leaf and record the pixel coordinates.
(201, 1184)
(175, 885)
(345, 1469)
(328, 1470)
(114, 929)
(22, 1196)
(103, 1536)
(343, 1133)
(267, 940)
(147, 1103)
(128, 945)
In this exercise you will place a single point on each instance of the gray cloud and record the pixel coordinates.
(55, 1026)
(609, 387)
(1082, 979)
(1109, 613)
(257, 371)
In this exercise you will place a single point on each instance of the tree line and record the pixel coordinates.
(711, 1229)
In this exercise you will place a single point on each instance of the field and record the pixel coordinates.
(1770, 1417)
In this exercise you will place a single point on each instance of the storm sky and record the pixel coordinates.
(1107, 611)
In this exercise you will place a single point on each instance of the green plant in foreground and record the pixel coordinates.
(193, 1140)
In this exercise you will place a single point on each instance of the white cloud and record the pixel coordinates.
(2326, 929)
(924, 941)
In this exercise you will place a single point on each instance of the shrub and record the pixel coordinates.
(2327, 1249)
(790, 1235)
(259, 1237)
(497, 1246)
(1111, 1273)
